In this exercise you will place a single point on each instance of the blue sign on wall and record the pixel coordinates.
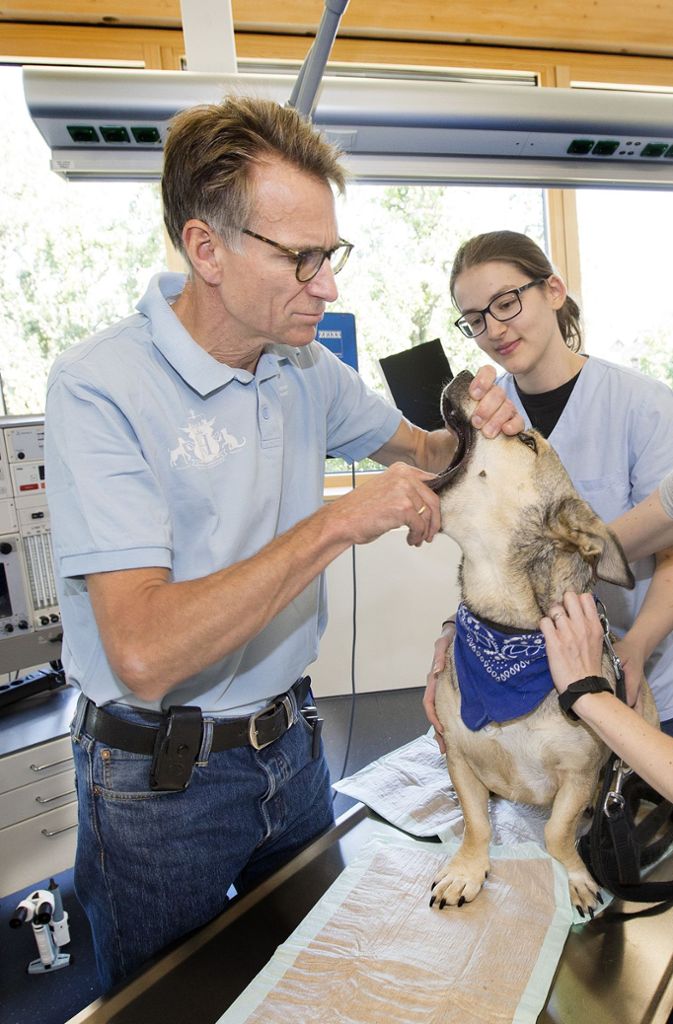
(336, 331)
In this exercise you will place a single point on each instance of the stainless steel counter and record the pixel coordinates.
(614, 970)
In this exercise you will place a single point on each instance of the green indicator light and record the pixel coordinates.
(82, 133)
(668, 155)
(146, 135)
(115, 133)
(654, 149)
(606, 147)
(580, 146)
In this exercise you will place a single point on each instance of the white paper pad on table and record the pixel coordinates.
(410, 787)
(372, 951)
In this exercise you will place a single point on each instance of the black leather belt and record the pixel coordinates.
(258, 730)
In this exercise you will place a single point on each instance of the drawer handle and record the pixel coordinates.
(57, 831)
(50, 799)
(52, 764)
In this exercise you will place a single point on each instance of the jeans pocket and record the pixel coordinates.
(121, 775)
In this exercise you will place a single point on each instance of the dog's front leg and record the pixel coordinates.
(462, 878)
(560, 833)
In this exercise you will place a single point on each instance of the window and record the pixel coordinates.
(625, 264)
(397, 279)
(80, 255)
(76, 257)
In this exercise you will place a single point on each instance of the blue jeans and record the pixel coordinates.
(151, 866)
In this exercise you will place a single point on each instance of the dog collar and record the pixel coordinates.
(501, 675)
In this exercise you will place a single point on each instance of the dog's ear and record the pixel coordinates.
(575, 527)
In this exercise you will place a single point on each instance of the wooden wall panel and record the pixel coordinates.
(164, 48)
(76, 42)
(617, 26)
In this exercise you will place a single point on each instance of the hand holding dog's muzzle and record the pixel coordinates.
(494, 412)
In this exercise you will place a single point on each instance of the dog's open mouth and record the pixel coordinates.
(458, 423)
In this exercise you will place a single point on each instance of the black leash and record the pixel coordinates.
(617, 853)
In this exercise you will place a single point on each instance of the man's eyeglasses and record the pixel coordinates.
(307, 262)
(503, 307)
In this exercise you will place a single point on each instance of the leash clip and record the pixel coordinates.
(607, 643)
(614, 802)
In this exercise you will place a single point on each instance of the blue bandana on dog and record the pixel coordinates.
(500, 675)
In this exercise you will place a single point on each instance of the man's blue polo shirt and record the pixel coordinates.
(159, 455)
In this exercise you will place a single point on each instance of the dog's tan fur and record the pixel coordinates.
(526, 538)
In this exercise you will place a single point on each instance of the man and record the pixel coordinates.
(185, 459)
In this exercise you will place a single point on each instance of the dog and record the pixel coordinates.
(526, 537)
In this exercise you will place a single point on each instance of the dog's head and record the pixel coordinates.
(509, 500)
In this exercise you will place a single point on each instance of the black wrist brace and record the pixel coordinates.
(590, 684)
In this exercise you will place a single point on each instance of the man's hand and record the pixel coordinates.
(397, 497)
(574, 638)
(495, 412)
(442, 645)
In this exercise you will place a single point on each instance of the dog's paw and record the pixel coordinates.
(458, 883)
(585, 893)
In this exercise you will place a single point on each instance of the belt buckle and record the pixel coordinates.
(252, 722)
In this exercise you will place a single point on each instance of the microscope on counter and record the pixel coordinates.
(44, 910)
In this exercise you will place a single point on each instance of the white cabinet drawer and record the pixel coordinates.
(44, 795)
(34, 763)
(37, 848)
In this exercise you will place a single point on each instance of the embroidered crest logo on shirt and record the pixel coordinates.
(202, 445)
(501, 675)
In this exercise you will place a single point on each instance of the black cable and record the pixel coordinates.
(353, 644)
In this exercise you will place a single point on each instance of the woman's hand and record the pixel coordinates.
(442, 645)
(574, 638)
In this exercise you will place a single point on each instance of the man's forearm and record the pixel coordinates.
(157, 632)
(169, 630)
(428, 450)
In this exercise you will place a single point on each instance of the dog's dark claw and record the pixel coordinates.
(461, 901)
(580, 911)
(599, 898)
(433, 886)
(591, 913)
(432, 900)
(442, 903)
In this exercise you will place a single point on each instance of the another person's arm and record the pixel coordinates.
(644, 530)
(648, 527)
(442, 644)
(652, 624)
(574, 639)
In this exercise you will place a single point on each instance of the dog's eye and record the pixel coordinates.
(529, 441)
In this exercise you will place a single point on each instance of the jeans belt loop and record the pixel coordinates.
(252, 723)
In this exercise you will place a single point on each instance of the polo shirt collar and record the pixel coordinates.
(196, 367)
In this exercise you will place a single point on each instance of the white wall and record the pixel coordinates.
(403, 594)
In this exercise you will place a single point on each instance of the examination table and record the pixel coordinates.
(614, 970)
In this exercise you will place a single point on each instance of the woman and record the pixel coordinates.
(610, 425)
